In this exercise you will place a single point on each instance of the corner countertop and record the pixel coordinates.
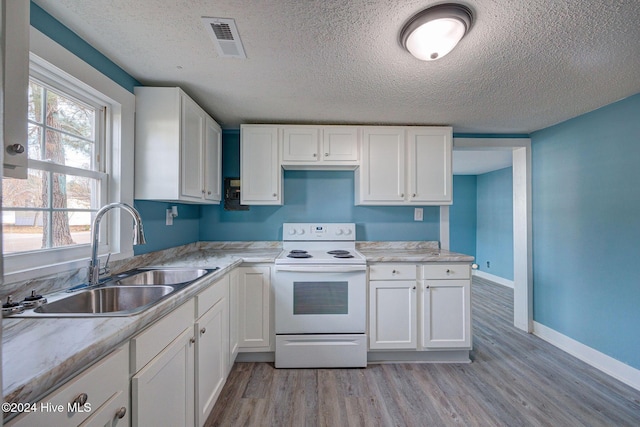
(39, 354)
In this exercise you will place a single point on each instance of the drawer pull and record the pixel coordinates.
(121, 413)
(203, 330)
(394, 272)
(81, 399)
(449, 271)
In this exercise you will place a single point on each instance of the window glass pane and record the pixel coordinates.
(75, 192)
(35, 142)
(22, 230)
(70, 116)
(70, 228)
(29, 193)
(35, 102)
(69, 151)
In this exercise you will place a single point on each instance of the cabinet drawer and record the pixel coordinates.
(446, 271)
(392, 272)
(210, 296)
(152, 340)
(102, 381)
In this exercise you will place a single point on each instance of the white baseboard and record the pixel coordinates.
(601, 361)
(499, 280)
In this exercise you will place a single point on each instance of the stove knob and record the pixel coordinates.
(292, 231)
(339, 231)
(347, 231)
(301, 231)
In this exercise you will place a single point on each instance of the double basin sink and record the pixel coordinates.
(124, 294)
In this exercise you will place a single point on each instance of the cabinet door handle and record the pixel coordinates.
(15, 149)
(121, 413)
(326, 154)
(414, 288)
(413, 195)
(209, 193)
(426, 287)
(203, 191)
(402, 195)
(315, 155)
(203, 330)
(274, 194)
(81, 399)
(192, 340)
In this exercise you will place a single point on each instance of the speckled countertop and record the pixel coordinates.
(39, 354)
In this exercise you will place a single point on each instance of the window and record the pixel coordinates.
(66, 180)
(81, 127)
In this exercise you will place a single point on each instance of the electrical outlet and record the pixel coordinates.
(169, 220)
(418, 214)
(488, 264)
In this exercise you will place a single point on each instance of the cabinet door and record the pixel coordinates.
(162, 392)
(191, 149)
(14, 73)
(300, 144)
(255, 297)
(340, 144)
(392, 314)
(446, 314)
(260, 170)
(212, 161)
(382, 168)
(212, 351)
(234, 316)
(429, 165)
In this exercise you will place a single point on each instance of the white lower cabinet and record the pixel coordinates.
(212, 347)
(163, 391)
(430, 312)
(234, 316)
(97, 397)
(254, 284)
(180, 383)
(392, 314)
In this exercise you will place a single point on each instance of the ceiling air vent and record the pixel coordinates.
(224, 33)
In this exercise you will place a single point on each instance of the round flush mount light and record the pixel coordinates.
(434, 32)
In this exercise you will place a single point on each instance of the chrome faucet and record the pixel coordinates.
(138, 237)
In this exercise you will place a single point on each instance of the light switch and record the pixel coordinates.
(417, 214)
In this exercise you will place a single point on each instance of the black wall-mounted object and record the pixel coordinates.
(232, 195)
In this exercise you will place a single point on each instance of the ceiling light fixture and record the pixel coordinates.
(435, 31)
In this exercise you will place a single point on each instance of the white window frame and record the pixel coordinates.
(50, 60)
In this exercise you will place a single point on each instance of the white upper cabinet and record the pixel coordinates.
(14, 73)
(429, 165)
(381, 177)
(178, 148)
(319, 147)
(260, 170)
(405, 165)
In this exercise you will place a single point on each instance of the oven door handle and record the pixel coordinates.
(322, 269)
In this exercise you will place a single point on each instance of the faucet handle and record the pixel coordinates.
(105, 270)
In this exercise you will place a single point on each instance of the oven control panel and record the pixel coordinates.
(296, 231)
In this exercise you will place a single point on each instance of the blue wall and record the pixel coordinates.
(160, 236)
(463, 214)
(495, 223)
(586, 229)
(311, 196)
(57, 32)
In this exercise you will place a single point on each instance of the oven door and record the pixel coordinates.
(320, 299)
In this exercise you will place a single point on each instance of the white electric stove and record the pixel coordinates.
(320, 297)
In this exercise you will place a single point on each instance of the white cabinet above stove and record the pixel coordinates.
(319, 147)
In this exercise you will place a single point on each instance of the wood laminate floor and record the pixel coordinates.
(515, 379)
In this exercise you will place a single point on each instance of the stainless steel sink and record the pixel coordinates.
(125, 300)
(124, 294)
(168, 276)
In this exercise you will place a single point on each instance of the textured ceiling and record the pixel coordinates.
(525, 64)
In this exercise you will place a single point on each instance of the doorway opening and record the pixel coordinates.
(481, 154)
